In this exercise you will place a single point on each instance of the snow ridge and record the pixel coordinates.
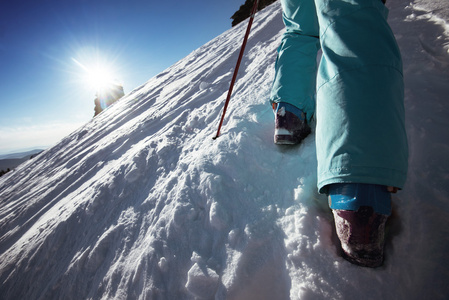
(142, 203)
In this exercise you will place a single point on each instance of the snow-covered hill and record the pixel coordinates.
(142, 203)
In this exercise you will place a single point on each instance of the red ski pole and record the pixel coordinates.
(234, 77)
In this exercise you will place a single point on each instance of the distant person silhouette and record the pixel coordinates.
(107, 96)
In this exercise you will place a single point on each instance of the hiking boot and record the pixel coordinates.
(290, 125)
(362, 235)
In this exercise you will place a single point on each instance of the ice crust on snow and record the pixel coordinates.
(141, 203)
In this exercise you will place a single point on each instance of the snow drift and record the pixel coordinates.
(141, 203)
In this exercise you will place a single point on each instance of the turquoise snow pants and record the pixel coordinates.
(356, 93)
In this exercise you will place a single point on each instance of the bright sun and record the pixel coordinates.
(100, 78)
(97, 76)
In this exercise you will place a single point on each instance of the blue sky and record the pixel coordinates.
(43, 44)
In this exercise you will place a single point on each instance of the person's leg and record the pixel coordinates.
(360, 134)
(296, 66)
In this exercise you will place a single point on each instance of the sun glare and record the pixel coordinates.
(100, 78)
(97, 76)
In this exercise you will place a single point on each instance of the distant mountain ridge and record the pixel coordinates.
(20, 154)
(11, 161)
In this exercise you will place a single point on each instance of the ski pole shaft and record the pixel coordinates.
(234, 77)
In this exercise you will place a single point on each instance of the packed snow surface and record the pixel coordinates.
(142, 203)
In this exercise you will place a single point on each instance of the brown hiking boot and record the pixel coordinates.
(362, 235)
(290, 125)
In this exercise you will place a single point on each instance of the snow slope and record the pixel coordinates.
(141, 203)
